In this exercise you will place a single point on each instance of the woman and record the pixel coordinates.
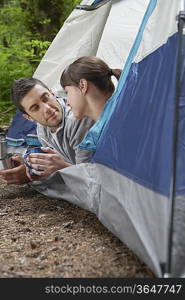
(88, 85)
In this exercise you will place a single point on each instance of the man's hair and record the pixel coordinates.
(21, 88)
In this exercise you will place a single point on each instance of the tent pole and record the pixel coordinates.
(182, 6)
(180, 58)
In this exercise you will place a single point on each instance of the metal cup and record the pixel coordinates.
(3, 147)
(6, 162)
(5, 157)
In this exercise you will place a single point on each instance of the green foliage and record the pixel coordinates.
(12, 60)
(34, 50)
(27, 28)
(45, 17)
(7, 111)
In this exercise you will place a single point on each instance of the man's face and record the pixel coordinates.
(41, 106)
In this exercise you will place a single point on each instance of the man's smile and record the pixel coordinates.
(52, 115)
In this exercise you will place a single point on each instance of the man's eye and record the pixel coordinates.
(35, 108)
(45, 98)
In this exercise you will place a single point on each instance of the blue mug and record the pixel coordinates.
(25, 157)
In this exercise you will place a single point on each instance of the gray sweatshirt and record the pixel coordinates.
(68, 136)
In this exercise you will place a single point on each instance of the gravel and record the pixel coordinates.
(44, 237)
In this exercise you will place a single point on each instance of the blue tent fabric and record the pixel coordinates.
(91, 139)
(180, 174)
(22, 132)
(135, 106)
(96, 2)
(143, 120)
(129, 184)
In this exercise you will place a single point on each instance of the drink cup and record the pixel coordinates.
(26, 155)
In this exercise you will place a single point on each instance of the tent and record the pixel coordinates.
(135, 183)
(21, 134)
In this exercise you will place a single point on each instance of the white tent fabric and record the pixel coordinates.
(100, 32)
(154, 37)
(82, 29)
(120, 31)
(124, 208)
(137, 215)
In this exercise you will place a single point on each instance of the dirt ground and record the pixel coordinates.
(43, 237)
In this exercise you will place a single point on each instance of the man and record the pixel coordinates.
(58, 131)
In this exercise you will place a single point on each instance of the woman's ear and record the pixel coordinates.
(83, 86)
(27, 117)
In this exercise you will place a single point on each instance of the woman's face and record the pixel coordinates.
(76, 100)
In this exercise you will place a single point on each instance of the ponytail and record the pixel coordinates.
(116, 73)
(90, 68)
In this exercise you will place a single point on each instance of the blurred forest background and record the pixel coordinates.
(27, 28)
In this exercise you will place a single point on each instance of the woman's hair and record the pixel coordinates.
(92, 69)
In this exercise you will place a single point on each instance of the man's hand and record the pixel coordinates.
(16, 175)
(46, 164)
(17, 160)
